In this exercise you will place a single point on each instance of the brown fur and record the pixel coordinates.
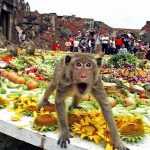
(79, 74)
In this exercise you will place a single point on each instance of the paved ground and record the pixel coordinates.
(9, 143)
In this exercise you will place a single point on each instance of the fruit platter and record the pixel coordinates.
(126, 80)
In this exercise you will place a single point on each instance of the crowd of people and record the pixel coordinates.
(66, 37)
(93, 42)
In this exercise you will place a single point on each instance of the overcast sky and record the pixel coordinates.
(116, 13)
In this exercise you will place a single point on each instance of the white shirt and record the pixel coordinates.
(105, 39)
(123, 50)
(76, 43)
(68, 44)
(98, 42)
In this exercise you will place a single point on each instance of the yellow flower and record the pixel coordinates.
(16, 117)
(92, 125)
(108, 147)
(96, 139)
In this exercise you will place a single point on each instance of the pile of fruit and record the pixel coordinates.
(126, 82)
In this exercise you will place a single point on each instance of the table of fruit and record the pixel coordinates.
(23, 80)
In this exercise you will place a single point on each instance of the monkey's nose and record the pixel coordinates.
(83, 76)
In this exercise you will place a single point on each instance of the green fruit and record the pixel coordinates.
(13, 85)
(14, 95)
(132, 139)
(2, 91)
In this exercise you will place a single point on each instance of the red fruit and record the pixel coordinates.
(20, 80)
(32, 85)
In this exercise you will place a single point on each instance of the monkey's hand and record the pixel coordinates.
(63, 139)
(43, 103)
(119, 146)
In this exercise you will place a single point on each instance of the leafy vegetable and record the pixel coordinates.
(120, 60)
(2, 91)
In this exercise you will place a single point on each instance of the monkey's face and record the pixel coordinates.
(83, 74)
(82, 70)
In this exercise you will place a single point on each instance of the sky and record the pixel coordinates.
(116, 13)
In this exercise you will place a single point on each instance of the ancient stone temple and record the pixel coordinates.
(145, 32)
(7, 14)
(12, 12)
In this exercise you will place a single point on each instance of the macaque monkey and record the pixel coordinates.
(77, 75)
(29, 45)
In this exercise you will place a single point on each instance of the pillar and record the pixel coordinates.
(10, 26)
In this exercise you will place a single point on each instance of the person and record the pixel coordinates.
(20, 32)
(119, 43)
(98, 44)
(112, 46)
(83, 45)
(148, 53)
(127, 41)
(23, 36)
(105, 43)
(92, 45)
(56, 46)
(123, 49)
(67, 45)
(75, 45)
(71, 40)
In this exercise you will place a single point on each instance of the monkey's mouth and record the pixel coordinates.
(82, 87)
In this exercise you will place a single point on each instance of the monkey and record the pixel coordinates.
(76, 75)
(12, 48)
(29, 45)
(3, 40)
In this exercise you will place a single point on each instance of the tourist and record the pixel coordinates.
(112, 46)
(75, 45)
(97, 44)
(119, 43)
(123, 49)
(67, 45)
(20, 33)
(105, 43)
(56, 46)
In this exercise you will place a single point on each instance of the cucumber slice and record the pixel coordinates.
(132, 139)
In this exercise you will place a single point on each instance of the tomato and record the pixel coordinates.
(40, 77)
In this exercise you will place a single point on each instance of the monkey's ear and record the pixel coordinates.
(99, 61)
(67, 59)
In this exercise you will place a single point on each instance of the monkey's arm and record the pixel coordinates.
(100, 94)
(48, 92)
(62, 118)
(75, 103)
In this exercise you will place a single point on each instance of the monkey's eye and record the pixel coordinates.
(78, 64)
(88, 65)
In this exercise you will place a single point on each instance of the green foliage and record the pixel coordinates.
(120, 60)
(89, 105)
(19, 63)
(132, 139)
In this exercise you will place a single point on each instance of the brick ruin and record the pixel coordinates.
(145, 32)
(45, 28)
(11, 13)
(42, 28)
